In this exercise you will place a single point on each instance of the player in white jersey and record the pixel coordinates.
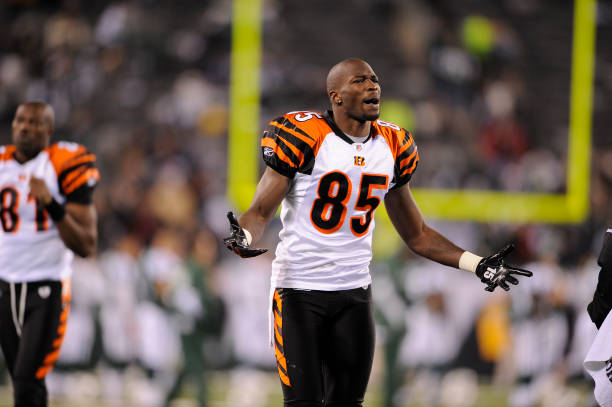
(46, 214)
(331, 171)
(598, 361)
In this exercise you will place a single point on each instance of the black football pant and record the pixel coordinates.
(602, 298)
(324, 344)
(33, 320)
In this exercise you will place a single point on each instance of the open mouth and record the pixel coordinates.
(372, 101)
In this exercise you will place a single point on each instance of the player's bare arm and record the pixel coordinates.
(269, 194)
(412, 228)
(425, 241)
(77, 224)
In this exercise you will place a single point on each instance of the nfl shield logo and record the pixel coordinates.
(359, 147)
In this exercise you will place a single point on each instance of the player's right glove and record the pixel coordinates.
(493, 271)
(237, 241)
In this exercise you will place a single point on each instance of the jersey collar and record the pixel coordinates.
(328, 116)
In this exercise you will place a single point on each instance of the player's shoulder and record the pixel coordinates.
(389, 129)
(7, 151)
(395, 135)
(305, 122)
(68, 154)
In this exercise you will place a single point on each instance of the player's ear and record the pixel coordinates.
(334, 98)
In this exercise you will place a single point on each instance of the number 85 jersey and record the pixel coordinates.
(337, 184)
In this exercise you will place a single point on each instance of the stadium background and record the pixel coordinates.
(163, 313)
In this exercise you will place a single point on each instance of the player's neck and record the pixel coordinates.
(352, 127)
(21, 157)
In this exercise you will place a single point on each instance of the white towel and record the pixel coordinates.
(598, 363)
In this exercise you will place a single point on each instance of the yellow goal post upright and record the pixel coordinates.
(463, 205)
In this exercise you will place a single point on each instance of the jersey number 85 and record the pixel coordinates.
(333, 193)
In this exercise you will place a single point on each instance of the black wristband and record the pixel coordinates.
(55, 210)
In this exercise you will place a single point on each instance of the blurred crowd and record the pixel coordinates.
(482, 85)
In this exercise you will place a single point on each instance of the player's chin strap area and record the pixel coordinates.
(18, 314)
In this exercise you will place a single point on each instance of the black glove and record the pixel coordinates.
(237, 241)
(493, 271)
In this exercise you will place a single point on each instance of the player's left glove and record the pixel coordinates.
(493, 271)
(237, 241)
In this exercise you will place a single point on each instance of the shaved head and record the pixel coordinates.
(343, 69)
(45, 110)
(353, 90)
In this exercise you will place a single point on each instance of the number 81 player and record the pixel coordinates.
(331, 171)
(46, 214)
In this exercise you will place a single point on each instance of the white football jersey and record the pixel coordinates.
(328, 213)
(30, 246)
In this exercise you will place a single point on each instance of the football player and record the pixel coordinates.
(331, 171)
(46, 215)
(598, 361)
(601, 304)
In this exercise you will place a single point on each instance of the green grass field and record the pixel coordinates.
(263, 390)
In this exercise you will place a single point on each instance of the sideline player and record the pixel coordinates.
(331, 171)
(46, 214)
(598, 361)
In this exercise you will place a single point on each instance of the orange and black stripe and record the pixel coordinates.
(7, 152)
(52, 356)
(404, 150)
(281, 361)
(290, 146)
(74, 167)
(407, 156)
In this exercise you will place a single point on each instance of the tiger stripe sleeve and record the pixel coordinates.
(77, 174)
(286, 148)
(406, 159)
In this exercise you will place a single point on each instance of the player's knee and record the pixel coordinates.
(29, 393)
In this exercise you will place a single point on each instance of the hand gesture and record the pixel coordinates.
(493, 271)
(39, 191)
(237, 241)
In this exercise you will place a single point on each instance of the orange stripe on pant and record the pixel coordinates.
(281, 361)
(52, 356)
(284, 378)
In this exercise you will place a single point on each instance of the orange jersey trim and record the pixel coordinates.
(268, 142)
(53, 355)
(87, 158)
(8, 152)
(311, 142)
(416, 161)
(393, 138)
(60, 156)
(316, 128)
(406, 160)
(298, 153)
(81, 179)
(281, 361)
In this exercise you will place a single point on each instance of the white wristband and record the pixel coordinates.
(469, 261)
(248, 236)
